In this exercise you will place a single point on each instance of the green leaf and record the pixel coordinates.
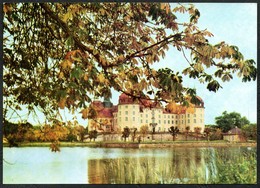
(69, 42)
(213, 86)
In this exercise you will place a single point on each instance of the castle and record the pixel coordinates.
(135, 113)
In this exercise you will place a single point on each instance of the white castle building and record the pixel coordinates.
(134, 114)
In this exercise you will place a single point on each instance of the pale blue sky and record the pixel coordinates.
(234, 23)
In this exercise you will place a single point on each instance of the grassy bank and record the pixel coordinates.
(146, 144)
(62, 144)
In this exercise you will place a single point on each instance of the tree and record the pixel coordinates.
(187, 130)
(81, 132)
(59, 55)
(174, 132)
(15, 133)
(134, 134)
(228, 121)
(144, 129)
(250, 131)
(207, 132)
(126, 133)
(197, 131)
(216, 134)
(93, 135)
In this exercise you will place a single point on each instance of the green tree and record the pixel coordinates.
(59, 55)
(250, 131)
(126, 133)
(144, 129)
(228, 121)
(174, 132)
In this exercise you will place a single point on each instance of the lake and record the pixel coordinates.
(84, 165)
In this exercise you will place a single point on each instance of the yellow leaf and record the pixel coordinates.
(67, 16)
(66, 64)
(61, 75)
(62, 103)
(101, 78)
(7, 8)
(95, 51)
(102, 60)
(85, 77)
(85, 113)
(121, 58)
(135, 61)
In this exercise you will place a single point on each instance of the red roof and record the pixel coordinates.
(234, 131)
(105, 113)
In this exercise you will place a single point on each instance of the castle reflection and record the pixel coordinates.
(180, 166)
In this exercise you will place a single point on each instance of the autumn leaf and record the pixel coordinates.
(85, 112)
(62, 103)
(66, 64)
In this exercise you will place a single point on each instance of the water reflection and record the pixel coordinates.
(181, 166)
(175, 166)
(130, 166)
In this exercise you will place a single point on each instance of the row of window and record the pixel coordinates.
(159, 116)
(126, 106)
(169, 122)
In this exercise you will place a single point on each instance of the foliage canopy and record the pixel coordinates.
(230, 120)
(59, 55)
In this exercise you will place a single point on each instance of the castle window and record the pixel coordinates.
(164, 121)
(133, 118)
(201, 120)
(188, 115)
(188, 120)
(194, 120)
(126, 106)
(172, 122)
(126, 112)
(169, 121)
(176, 122)
(146, 121)
(172, 116)
(133, 112)
(126, 118)
(141, 121)
(194, 115)
(146, 115)
(160, 121)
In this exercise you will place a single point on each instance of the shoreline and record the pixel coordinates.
(141, 145)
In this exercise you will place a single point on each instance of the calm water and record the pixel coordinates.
(35, 165)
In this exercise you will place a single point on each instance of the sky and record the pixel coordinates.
(234, 23)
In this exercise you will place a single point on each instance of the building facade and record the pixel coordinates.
(134, 114)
